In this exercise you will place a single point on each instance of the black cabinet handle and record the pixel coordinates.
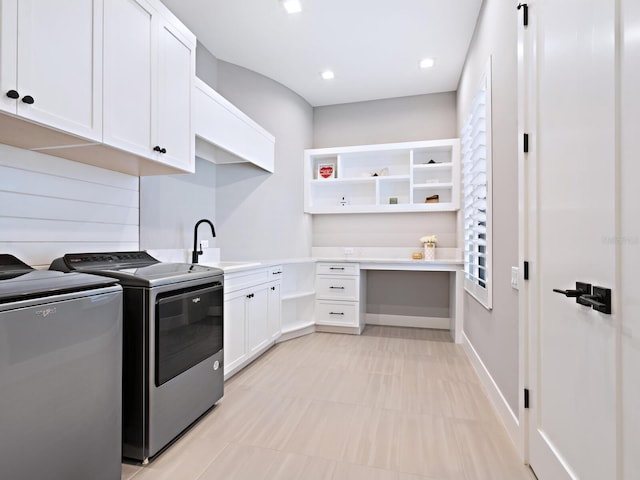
(273, 288)
(337, 288)
(336, 313)
(251, 295)
(28, 99)
(13, 94)
(277, 273)
(157, 148)
(336, 268)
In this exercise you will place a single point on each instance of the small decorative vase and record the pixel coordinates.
(429, 251)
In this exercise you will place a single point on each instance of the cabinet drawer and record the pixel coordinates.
(235, 281)
(338, 268)
(275, 272)
(336, 287)
(337, 313)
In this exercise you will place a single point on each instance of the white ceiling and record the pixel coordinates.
(373, 46)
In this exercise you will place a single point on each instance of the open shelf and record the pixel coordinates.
(383, 178)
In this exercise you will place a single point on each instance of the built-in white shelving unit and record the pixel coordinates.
(394, 177)
(298, 299)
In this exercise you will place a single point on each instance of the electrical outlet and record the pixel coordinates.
(204, 243)
(348, 250)
(515, 275)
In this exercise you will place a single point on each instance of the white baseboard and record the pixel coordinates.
(507, 416)
(298, 330)
(442, 323)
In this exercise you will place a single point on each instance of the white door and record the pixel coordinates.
(59, 64)
(571, 62)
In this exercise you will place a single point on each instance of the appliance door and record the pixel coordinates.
(188, 329)
(60, 387)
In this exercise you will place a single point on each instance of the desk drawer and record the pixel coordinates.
(344, 314)
(338, 288)
(326, 268)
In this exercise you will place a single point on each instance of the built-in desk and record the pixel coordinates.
(453, 267)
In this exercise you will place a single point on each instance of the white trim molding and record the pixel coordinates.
(507, 416)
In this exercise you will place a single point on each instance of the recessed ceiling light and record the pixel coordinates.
(292, 6)
(427, 63)
(327, 75)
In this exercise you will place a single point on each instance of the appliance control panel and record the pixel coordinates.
(108, 261)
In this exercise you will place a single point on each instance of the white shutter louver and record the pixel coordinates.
(476, 193)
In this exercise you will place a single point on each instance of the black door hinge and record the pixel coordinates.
(525, 143)
(525, 17)
(526, 270)
(526, 398)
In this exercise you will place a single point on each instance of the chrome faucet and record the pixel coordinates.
(196, 252)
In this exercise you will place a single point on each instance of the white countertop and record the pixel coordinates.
(368, 262)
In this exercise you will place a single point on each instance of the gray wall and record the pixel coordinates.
(260, 215)
(494, 334)
(257, 215)
(170, 206)
(421, 117)
(405, 119)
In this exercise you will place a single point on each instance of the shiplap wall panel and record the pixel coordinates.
(57, 186)
(42, 163)
(29, 206)
(50, 206)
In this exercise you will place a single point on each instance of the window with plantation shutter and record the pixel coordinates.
(476, 193)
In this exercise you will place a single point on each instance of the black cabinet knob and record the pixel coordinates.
(157, 148)
(28, 99)
(13, 94)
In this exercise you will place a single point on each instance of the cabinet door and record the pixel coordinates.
(235, 333)
(8, 54)
(176, 71)
(59, 64)
(129, 36)
(257, 319)
(274, 310)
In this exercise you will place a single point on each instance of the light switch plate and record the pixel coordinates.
(348, 250)
(515, 275)
(204, 243)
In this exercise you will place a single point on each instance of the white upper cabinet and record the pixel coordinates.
(219, 123)
(395, 177)
(149, 59)
(51, 65)
(176, 74)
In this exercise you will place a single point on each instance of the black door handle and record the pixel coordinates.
(600, 300)
(28, 99)
(13, 94)
(580, 290)
(569, 293)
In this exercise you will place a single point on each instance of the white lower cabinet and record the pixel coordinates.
(235, 331)
(257, 315)
(274, 310)
(251, 315)
(339, 287)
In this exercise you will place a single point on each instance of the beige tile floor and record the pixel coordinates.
(391, 404)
